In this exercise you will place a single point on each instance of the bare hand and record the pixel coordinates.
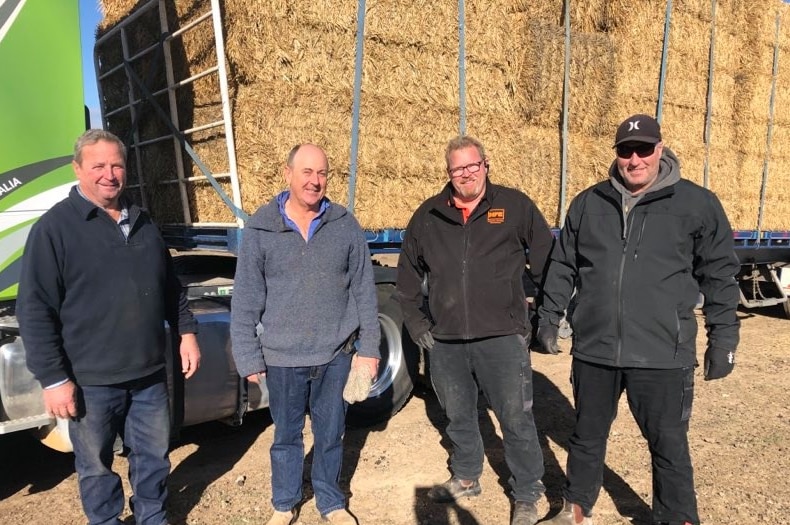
(190, 355)
(256, 378)
(371, 363)
(61, 401)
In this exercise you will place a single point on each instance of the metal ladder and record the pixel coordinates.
(138, 94)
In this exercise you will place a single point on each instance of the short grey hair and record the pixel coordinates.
(463, 142)
(294, 150)
(291, 154)
(91, 137)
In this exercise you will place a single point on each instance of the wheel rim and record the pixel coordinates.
(392, 362)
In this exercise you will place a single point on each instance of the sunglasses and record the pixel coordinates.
(641, 150)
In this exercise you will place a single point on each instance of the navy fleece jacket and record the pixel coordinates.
(92, 303)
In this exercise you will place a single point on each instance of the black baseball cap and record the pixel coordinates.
(638, 128)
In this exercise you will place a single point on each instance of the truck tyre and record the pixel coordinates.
(565, 329)
(397, 369)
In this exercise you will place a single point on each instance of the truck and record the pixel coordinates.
(35, 173)
(152, 56)
(197, 161)
(43, 113)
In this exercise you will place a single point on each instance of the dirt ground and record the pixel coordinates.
(739, 433)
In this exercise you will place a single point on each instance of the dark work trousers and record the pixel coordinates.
(660, 401)
(504, 374)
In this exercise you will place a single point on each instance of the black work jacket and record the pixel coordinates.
(475, 269)
(637, 286)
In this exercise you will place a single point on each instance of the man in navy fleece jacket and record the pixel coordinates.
(96, 288)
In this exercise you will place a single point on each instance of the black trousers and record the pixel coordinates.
(660, 401)
(501, 368)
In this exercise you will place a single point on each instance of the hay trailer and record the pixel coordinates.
(210, 95)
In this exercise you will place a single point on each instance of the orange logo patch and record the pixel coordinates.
(496, 216)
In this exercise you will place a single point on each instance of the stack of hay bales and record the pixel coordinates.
(291, 68)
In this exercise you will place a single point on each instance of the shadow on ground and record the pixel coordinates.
(195, 473)
(26, 463)
(554, 416)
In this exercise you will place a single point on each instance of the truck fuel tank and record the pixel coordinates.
(215, 392)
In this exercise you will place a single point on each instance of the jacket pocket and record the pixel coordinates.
(686, 327)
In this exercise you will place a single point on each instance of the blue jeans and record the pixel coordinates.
(661, 402)
(503, 370)
(291, 391)
(139, 412)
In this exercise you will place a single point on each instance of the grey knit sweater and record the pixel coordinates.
(295, 302)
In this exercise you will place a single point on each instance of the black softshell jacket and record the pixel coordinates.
(637, 284)
(474, 270)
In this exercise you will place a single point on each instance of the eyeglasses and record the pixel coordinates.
(470, 168)
(642, 150)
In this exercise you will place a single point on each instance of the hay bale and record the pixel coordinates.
(292, 77)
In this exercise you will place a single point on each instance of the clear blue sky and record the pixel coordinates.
(90, 16)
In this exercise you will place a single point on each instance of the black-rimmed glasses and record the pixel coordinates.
(470, 168)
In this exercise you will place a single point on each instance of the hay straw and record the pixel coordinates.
(292, 79)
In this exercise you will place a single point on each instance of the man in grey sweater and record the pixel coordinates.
(304, 289)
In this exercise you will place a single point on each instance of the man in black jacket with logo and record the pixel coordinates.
(468, 246)
(638, 249)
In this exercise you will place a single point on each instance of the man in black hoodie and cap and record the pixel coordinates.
(638, 249)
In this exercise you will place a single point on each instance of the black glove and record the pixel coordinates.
(719, 362)
(425, 341)
(547, 337)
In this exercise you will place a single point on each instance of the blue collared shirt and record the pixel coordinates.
(283, 197)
